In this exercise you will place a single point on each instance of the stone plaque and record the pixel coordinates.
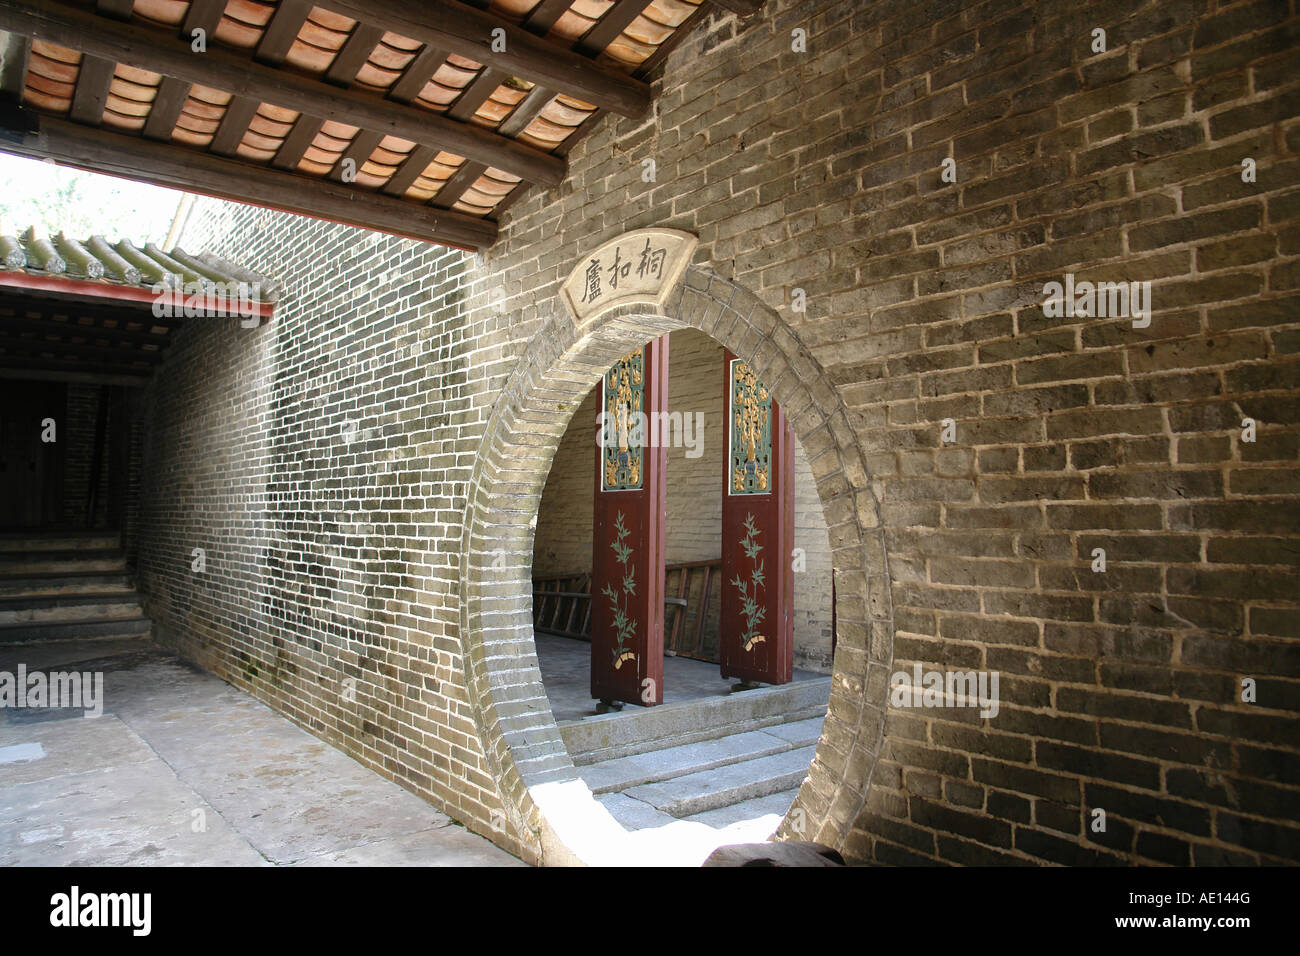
(641, 266)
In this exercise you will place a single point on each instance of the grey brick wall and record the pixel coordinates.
(349, 467)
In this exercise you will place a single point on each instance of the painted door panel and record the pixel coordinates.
(756, 640)
(627, 588)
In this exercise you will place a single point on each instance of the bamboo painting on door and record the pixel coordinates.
(756, 639)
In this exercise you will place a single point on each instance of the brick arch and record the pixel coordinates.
(546, 805)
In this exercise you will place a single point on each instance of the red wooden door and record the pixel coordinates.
(627, 576)
(756, 641)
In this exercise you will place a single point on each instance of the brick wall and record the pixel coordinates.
(694, 500)
(323, 460)
(78, 455)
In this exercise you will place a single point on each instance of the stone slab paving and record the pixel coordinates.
(183, 769)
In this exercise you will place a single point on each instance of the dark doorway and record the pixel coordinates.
(31, 469)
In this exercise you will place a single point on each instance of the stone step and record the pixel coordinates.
(25, 543)
(25, 564)
(633, 814)
(799, 733)
(77, 583)
(27, 633)
(726, 786)
(640, 730)
(79, 607)
(611, 776)
(765, 808)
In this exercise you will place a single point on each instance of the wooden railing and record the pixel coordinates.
(562, 606)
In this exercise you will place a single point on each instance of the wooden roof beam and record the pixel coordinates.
(160, 51)
(468, 32)
(178, 167)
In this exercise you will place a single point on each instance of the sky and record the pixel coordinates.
(56, 198)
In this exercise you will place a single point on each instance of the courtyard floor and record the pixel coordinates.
(183, 769)
(565, 664)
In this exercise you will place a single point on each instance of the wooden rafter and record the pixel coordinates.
(594, 69)
(409, 171)
(20, 367)
(524, 113)
(606, 30)
(92, 89)
(202, 16)
(166, 108)
(234, 125)
(417, 74)
(158, 50)
(538, 22)
(358, 151)
(272, 49)
(177, 167)
(291, 151)
(283, 29)
(459, 29)
(451, 191)
(354, 54)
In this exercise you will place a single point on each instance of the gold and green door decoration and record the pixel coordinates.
(623, 401)
(751, 432)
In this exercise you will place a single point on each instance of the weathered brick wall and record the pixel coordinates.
(319, 463)
(562, 544)
(821, 170)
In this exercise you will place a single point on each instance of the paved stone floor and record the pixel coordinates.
(183, 769)
(565, 664)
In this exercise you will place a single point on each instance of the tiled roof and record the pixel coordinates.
(121, 264)
(415, 107)
(107, 309)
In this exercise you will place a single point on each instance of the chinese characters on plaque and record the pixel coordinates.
(641, 266)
